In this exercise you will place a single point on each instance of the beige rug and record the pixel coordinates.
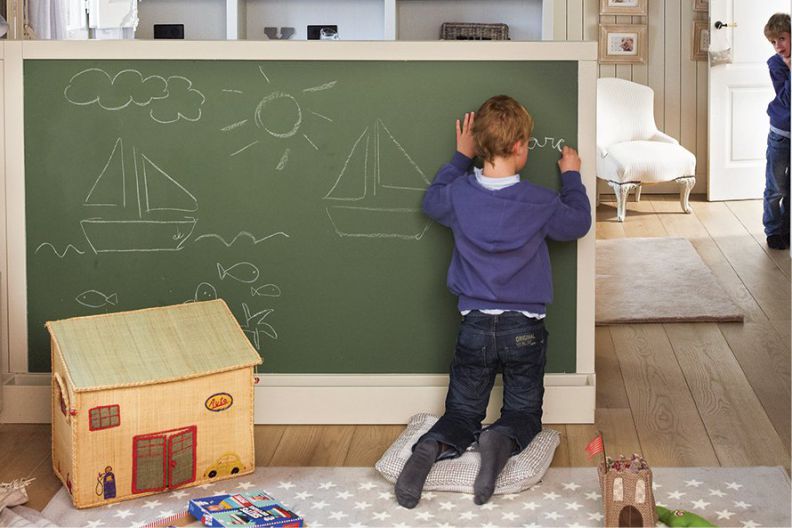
(657, 280)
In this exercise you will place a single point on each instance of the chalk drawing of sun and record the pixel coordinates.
(277, 115)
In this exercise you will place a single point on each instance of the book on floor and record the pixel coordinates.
(256, 508)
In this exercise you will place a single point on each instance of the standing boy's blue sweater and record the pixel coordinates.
(778, 109)
(500, 258)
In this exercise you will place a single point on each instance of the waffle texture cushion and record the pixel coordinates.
(458, 474)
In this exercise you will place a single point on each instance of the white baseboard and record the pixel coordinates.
(339, 398)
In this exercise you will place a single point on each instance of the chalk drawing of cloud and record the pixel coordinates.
(117, 92)
(183, 102)
(169, 99)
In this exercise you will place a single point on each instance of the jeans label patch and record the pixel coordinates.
(525, 340)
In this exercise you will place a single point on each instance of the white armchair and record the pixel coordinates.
(631, 150)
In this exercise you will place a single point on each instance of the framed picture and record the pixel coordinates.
(701, 38)
(623, 7)
(701, 6)
(622, 44)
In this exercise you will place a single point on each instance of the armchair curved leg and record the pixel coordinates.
(638, 193)
(687, 184)
(622, 190)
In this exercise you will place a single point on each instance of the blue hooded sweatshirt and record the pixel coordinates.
(778, 109)
(500, 258)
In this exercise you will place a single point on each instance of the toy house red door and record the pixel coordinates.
(163, 460)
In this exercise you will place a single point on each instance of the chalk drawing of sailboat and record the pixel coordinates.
(381, 188)
(151, 221)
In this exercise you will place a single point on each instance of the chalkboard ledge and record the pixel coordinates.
(346, 398)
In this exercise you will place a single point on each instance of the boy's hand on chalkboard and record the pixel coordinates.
(570, 161)
(464, 136)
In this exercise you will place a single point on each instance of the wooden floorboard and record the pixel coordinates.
(749, 213)
(736, 423)
(760, 274)
(680, 394)
(267, 438)
(313, 445)
(369, 443)
(764, 358)
(561, 456)
(668, 423)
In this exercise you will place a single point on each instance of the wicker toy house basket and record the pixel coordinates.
(627, 497)
(150, 400)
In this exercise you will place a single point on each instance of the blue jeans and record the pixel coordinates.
(776, 194)
(486, 344)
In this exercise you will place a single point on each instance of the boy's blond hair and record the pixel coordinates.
(500, 123)
(778, 23)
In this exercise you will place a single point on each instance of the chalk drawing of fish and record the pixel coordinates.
(268, 290)
(96, 299)
(241, 272)
(203, 292)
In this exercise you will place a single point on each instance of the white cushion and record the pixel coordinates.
(645, 161)
(458, 474)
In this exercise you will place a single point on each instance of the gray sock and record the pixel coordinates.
(411, 480)
(495, 449)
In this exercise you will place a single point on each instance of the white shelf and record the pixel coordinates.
(356, 19)
(202, 19)
(421, 19)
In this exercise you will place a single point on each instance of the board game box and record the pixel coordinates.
(256, 508)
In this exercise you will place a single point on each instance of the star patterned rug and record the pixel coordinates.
(360, 497)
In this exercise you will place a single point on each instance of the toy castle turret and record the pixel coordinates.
(627, 496)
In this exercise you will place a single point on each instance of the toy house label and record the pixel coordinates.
(219, 402)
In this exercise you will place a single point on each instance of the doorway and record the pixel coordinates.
(163, 460)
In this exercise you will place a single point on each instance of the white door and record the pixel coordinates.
(738, 96)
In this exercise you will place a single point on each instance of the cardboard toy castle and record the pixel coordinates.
(627, 495)
(150, 400)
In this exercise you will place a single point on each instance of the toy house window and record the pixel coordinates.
(105, 417)
(62, 404)
(640, 492)
(618, 489)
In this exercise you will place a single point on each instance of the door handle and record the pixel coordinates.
(718, 24)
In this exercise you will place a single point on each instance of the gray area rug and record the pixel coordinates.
(23, 517)
(657, 280)
(750, 496)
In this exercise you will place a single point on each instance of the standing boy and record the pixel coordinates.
(776, 193)
(500, 270)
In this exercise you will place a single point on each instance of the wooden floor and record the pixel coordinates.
(682, 394)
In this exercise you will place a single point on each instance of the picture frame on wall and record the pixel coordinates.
(622, 44)
(701, 40)
(701, 6)
(623, 7)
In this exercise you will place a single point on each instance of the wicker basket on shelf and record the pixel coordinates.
(473, 31)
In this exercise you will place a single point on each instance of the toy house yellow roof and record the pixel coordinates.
(153, 345)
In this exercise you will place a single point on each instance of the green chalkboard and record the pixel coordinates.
(291, 189)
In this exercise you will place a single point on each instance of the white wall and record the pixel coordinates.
(679, 83)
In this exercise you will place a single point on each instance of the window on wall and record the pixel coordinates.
(104, 417)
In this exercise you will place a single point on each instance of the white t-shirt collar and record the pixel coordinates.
(495, 184)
